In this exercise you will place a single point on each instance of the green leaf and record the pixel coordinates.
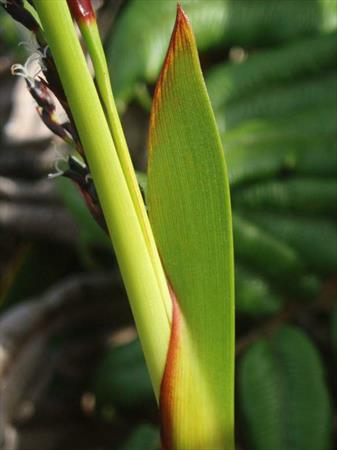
(281, 101)
(314, 122)
(275, 157)
(307, 57)
(263, 251)
(314, 238)
(254, 294)
(290, 195)
(283, 394)
(189, 211)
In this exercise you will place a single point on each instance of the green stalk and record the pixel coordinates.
(93, 41)
(148, 298)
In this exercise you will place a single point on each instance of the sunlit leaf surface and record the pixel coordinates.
(189, 210)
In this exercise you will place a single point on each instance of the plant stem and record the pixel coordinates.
(90, 33)
(147, 297)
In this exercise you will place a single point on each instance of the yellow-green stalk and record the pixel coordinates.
(85, 17)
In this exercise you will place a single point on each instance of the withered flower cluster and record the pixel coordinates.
(44, 89)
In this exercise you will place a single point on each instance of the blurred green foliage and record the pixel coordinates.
(11, 33)
(8, 32)
(334, 330)
(283, 398)
(145, 437)
(121, 379)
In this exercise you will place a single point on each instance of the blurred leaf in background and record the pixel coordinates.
(283, 396)
(122, 381)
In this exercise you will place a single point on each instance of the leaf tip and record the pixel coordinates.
(182, 30)
(181, 15)
(182, 40)
(181, 35)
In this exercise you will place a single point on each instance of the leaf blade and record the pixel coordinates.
(196, 249)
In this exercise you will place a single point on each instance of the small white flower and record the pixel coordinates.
(60, 158)
(33, 47)
(88, 177)
(24, 70)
